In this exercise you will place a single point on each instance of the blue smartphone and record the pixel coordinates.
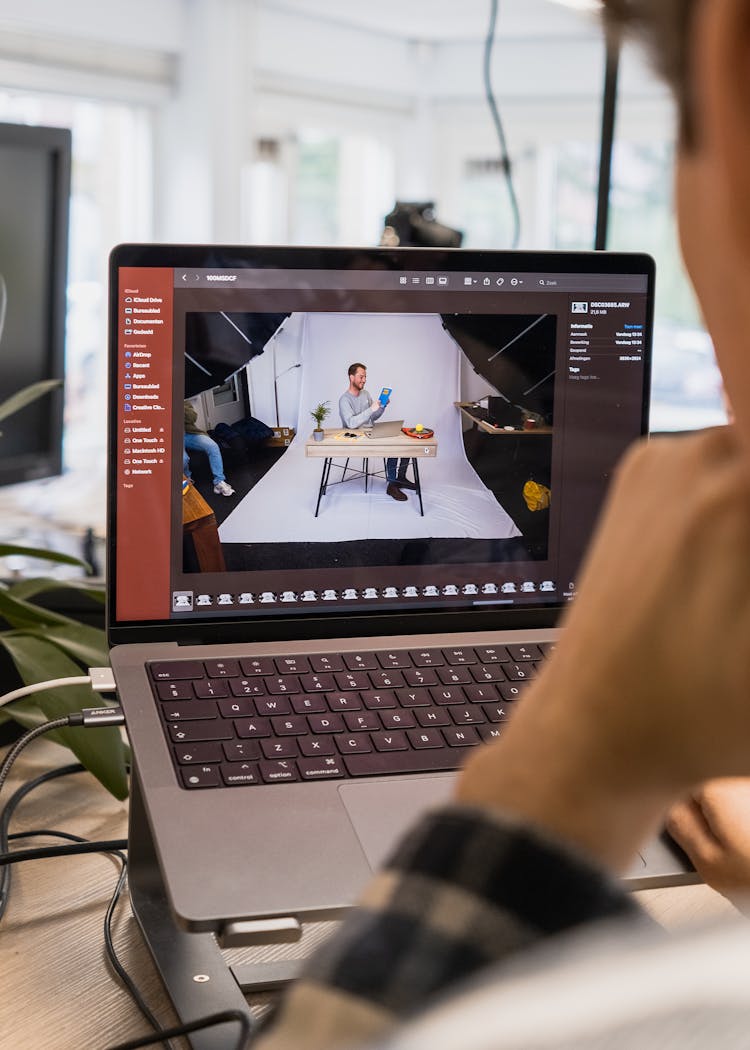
(385, 394)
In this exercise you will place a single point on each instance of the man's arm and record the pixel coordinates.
(465, 889)
(352, 419)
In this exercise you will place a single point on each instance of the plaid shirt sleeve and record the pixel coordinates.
(465, 889)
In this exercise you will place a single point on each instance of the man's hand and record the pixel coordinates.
(648, 693)
(713, 827)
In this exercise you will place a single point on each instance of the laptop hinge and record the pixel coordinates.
(286, 930)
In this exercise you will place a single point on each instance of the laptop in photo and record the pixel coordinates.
(303, 661)
(391, 428)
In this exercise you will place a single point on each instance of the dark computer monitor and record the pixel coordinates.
(34, 204)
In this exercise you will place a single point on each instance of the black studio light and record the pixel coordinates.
(412, 224)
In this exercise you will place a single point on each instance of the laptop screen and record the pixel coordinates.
(469, 408)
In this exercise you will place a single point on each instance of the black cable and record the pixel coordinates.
(504, 156)
(210, 1021)
(7, 812)
(25, 740)
(106, 846)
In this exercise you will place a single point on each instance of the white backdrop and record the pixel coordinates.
(416, 356)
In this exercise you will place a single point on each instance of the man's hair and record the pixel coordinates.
(664, 26)
(353, 368)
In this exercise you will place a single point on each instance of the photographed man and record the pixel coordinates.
(499, 922)
(357, 409)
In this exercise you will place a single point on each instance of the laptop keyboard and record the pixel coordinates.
(285, 719)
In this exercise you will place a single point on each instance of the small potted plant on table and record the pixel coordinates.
(319, 413)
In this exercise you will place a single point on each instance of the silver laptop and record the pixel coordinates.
(299, 688)
(389, 429)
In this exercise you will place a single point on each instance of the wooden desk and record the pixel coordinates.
(488, 428)
(199, 524)
(56, 990)
(335, 446)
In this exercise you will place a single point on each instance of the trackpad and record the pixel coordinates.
(382, 812)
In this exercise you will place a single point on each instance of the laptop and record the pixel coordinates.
(391, 428)
(298, 689)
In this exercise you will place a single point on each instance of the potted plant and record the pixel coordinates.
(38, 643)
(319, 413)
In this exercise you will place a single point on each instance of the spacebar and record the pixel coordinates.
(379, 764)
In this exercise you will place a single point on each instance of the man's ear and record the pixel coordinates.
(721, 68)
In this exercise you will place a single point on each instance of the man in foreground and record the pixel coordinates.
(499, 922)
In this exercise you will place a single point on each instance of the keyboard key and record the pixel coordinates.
(361, 661)
(211, 687)
(433, 716)
(519, 672)
(489, 732)
(190, 712)
(511, 690)
(353, 680)
(381, 762)
(417, 676)
(236, 774)
(274, 772)
(344, 702)
(467, 737)
(460, 656)
(283, 683)
(323, 724)
(174, 670)
(277, 705)
(366, 720)
(222, 668)
(309, 705)
(397, 658)
(236, 708)
(387, 679)
(497, 712)
(258, 665)
(321, 768)
(455, 675)
(398, 720)
(413, 697)
(295, 725)
(201, 776)
(186, 754)
(326, 663)
(378, 699)
(427, 657)
(217, 729)
(175, 690)
(425, 738)
(317, 683)
(248, 728)
(487, 673)
(492, 654)
(313, 746)
(524, 652)
(280, 748)
(247, 687)
(240, 750)
(469, 715)
(478, 694)
(394, 741)
(349, 744)
(292, 664)
(448, 694)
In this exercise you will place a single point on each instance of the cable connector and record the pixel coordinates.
(92, 717)
(102, 680)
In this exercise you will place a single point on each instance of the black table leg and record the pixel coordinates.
(323, 481)
(418, 484)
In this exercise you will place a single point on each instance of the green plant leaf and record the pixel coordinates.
(21, 614)
(26, 396)
(26, 589)
(100, 750)
(86, 645)
(41, 553)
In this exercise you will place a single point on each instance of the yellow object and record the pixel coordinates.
(537, 496)
(418, 427)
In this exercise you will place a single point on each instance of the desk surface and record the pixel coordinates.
(468, 409)
(333, 444)
(57, 990)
